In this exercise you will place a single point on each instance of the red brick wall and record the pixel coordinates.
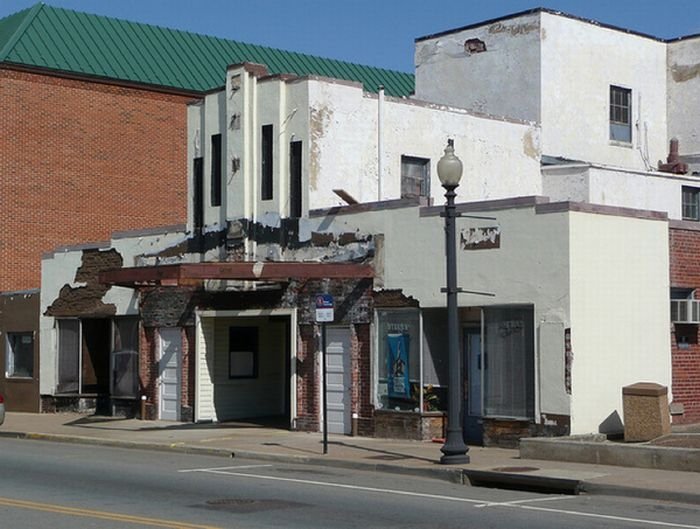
(79, 160)
(362, 380)
(308, 410)
(685, 273)
(148, 369)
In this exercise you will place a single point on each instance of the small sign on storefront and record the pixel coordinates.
(324, 308)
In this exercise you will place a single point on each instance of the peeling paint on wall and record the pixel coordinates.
(319, 119)
(683, 73)
(86, 300)
(480, 238)
(530, 148)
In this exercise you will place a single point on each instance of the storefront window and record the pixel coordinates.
(20, 354)
(509, 374)
(399, 359)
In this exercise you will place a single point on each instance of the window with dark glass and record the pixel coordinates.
(243, 352)
(295, 205)
(124, 359)
(509, 365)
(415, 177)
(267, 154)
(198, 194)
(690, 203)
(216, 169)
(19, 361)
(620, 114)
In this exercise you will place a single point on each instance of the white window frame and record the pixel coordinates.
(693, 206)
(615, 110)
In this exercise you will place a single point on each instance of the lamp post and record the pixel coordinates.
(454, 450)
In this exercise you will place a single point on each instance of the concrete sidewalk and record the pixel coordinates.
(245, 440)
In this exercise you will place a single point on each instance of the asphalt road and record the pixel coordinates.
(64, 486)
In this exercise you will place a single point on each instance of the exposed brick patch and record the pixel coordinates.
(308, 380)
(80, 160)
(86, 300)
(361, 379)
(685, 273)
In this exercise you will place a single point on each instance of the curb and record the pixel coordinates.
(507, 480)
(452, 475)
(460, 476)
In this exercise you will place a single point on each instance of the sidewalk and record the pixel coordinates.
(246, 440)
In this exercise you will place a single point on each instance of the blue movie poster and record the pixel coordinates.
(397, 359)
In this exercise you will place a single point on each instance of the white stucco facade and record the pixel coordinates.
(556, 70)
(616, 186)
(338, 126)
(619, 314)
(600, 272)
(683, 81)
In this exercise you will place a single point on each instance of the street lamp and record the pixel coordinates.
(454, 450)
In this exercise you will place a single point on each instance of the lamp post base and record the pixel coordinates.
(454, 451)
(454, 459)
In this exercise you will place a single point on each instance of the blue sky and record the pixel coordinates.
(374, 32)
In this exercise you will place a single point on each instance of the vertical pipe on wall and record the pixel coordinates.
(380, 143)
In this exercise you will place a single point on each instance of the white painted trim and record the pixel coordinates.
(197, 367)
(252, 313)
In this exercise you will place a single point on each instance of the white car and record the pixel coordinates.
(2, 410)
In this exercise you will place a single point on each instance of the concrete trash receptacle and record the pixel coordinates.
(645, 407)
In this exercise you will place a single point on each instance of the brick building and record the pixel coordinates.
(93, 120)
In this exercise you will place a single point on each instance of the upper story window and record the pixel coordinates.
(266, 172)
(216, 166)
(620, 114)
(415, 177)
(690, 203)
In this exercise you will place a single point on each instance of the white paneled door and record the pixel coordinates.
(338, 369)
(169, 364)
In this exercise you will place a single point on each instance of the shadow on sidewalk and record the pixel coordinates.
(386, 455)
(98, 422)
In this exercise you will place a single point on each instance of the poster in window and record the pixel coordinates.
(397, 366)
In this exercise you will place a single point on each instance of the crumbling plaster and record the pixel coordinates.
(684, 95)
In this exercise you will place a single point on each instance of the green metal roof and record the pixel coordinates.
(60, 39)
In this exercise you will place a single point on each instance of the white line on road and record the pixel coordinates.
(518, 504)
(607, 517)
(222, 468)
(340, 486)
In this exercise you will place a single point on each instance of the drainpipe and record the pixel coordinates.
(380, 144)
